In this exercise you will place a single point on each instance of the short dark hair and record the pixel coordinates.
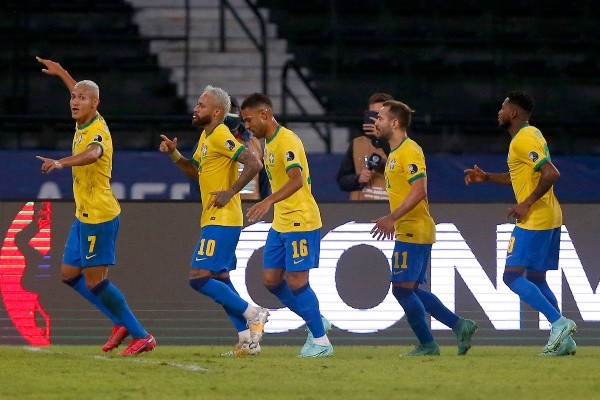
(257, 100)
(379, 98)
(521, 99)
(400, 111)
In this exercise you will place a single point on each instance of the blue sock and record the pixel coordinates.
(415, 313)
(285, 295)
(221, 293)
(530, 294)
(436, 308)
(237, 320)
(114, 300)
(78, 283)
(541, 284)
(309, 307)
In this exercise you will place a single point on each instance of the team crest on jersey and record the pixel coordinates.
(77, 140)
(229, 144)
(392, 163)
(97, 138)
(204, 150)
(271, 158)
(289, 155)
(412, 168)
(533, 156)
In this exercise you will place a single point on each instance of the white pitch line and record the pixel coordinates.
(189, 367)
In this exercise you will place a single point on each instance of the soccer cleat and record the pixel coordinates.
(310, 338)
(317, 350)
(139, 345)
(243, 349)
(257, 325)
(561, 328)
(567, 347)
(118, 334)
(428, 349)
(464, 331)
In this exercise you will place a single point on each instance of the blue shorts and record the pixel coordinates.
(215, 250)
(294, 251)
(410, 261)
(534, 250)
(90, 245)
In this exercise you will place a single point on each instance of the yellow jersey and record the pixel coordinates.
(299, 212)
(405, 164)
(94, 200)
(216, 157)
(527, 152)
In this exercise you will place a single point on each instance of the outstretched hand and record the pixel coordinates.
(167, 145)
(474, 175)
(49, 165)
(52, 67)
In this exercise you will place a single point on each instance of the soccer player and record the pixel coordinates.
(293, 242)
(215, 165)
(90, 247)
(534, 245)
(414, 231)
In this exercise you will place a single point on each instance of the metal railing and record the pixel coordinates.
(260, 43)
(286, 92)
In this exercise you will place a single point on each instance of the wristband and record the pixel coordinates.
(175, 155)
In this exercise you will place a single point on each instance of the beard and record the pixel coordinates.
(201, 121)
(383, 134)
(504, 124)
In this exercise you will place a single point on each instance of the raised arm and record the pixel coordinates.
(55, 69)
(86, 157)
(169, 147)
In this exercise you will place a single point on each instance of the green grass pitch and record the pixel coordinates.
(354, 372)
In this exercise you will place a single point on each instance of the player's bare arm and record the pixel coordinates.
(251, 167)
(169, 147)
(477, 175)
(384, 226)
(89, 156)
(549, 175)
(55, 69)
(294, 183)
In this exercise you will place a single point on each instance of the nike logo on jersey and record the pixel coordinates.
(201, 258)
(92, 256)
(298, 261)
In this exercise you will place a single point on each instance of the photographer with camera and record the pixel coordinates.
(361, 171)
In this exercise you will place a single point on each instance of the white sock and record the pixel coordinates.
(250, 313)
(323, 341)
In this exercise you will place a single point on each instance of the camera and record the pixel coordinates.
(368, 115)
